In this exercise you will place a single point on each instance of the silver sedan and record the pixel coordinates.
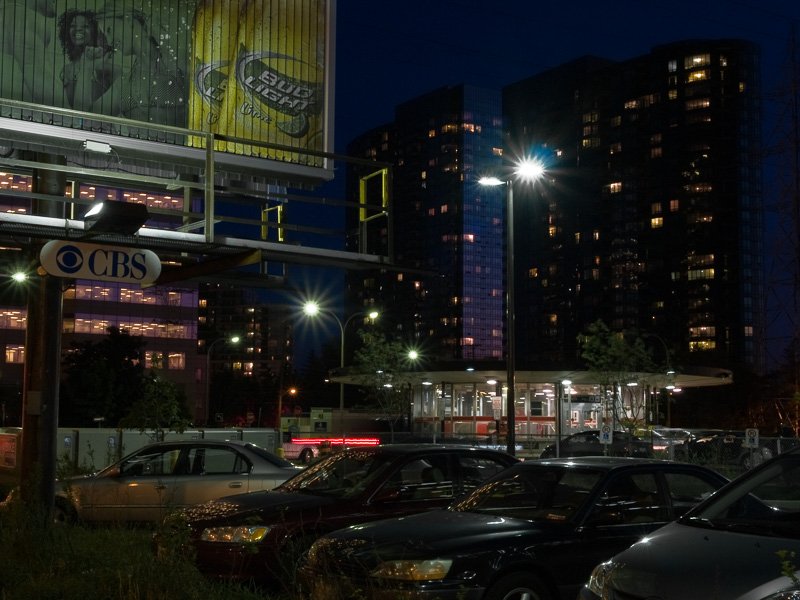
(163, 476)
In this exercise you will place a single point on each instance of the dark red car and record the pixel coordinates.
(259, 536)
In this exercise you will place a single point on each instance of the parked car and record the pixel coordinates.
(587, 443)
(662, 438)
(259, 536)
(533, 531)
(726, 447)
(729, 546)
(163, 476)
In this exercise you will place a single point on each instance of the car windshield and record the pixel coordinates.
(343, 475)
(270, 457)
(765, 501)
(545, 492)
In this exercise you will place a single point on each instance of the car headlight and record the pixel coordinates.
(235, 534)
(598, 578)
(413, 570)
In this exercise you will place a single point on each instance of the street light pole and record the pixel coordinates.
(528, 170)
(512, 346)
(311, 309)
(232, 340)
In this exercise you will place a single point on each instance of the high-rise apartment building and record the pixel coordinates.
(446, 229)
(650, 216)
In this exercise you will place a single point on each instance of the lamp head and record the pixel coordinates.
(109, 216)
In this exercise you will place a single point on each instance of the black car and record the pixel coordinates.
(588, 443)
(257, 537)
(535, 531)
(741, 543)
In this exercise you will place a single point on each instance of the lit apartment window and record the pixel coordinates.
(674, 205)
(15, 354)
(467, 341)
(497, 151)
(431, 133)
(696, 103)
(631, 104)
(700, 346)
(443, 208)
(672, 94)
(423, 175)
(702, 332)
(153, 359)
(672, 66)
(696, 76)
(552, 230)
(596, 235)
(616, 121)
(695, 274)
(655, 208)
(748, 331)
(656, 222)
(656, 152)
(177, 360)
(697, 60)
(615, 188)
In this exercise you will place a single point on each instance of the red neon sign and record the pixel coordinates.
(337, 441)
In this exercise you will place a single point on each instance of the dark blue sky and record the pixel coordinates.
(388, 52)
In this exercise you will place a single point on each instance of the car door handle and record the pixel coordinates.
(235, 484)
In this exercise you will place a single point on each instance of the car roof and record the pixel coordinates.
(420, 448)
(196, 441)
(606, 463)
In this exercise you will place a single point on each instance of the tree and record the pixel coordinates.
(382, 370)
(101, 379)
(622, 365)
(161, 407)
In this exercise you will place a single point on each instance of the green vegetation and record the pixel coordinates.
(43, 560)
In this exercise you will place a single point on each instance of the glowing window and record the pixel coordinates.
(176, 360)
(656, 222)
(15, 354)
(615, 188)
(697, 60)
(695, 76)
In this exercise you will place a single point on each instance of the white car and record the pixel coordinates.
(147, 484)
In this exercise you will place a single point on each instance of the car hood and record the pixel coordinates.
(713, 563)
(439, 532)
(262, 504)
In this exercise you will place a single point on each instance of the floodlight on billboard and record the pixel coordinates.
(253, 70)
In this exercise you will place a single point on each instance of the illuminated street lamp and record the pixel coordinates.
(232, 340)
(526, 170)
(312, 309)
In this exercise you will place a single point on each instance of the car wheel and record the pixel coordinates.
(63, 512)
(306, 456)
(519, 586)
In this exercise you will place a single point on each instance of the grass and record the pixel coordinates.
(47, 561)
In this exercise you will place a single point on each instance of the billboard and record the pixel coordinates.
(251, 69)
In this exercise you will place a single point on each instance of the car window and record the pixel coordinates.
(551, 493)
(422, 478)
(216, 461)
(688, 489)
(476, 470)
(631, 498)
(158, 461)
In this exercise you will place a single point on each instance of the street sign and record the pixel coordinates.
(750, 438)
(606, 434)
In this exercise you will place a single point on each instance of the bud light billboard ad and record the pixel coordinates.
(249, 69)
